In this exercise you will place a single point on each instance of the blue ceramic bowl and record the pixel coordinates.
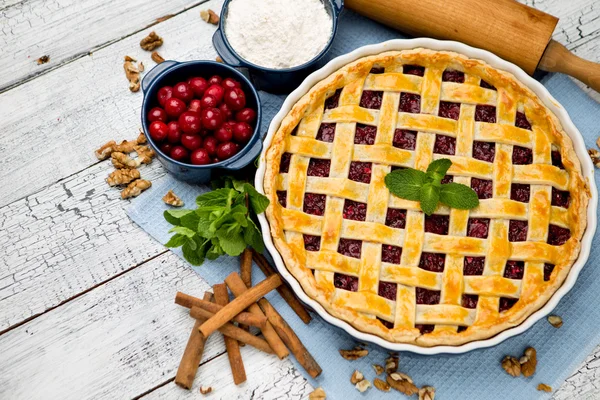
(274, 80)
(171, 72)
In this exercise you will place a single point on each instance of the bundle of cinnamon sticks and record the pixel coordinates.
(216, 312)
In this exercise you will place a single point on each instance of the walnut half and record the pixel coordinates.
(122, 176)
(135, 188)
(354, 354)
(512, 366)
(427, 393)
(528, 362)
(151, 42)
(317, 394)
(172, 199)
(402, 383)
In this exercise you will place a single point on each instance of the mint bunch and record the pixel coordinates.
(427, 187)
(223, 223)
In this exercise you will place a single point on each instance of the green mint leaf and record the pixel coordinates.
(192, 243)
(430, 197)
(215, 251)
(182, 230)
(191, 255)
(240, 218)
(176, 240)
(231, 239)
(253, 237)
(406, 183)
(203, 227)
(190, 221)
(173, 216)
(458, 196)
(258, 202)
(219, 198)
(438, 168)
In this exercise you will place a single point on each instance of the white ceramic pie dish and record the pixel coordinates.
(496, 62)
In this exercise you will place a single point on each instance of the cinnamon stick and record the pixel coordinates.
(231, 345)
(284, 291)
(268, 331)
(190, 361)
(245, 318)
(239, 304)
(234, 332)
(246, 267)
(282, 328)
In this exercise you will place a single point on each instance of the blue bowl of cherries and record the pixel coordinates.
(200, 116)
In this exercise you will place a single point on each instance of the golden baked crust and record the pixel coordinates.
(365, 308)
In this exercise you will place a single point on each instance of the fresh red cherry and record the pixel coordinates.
(224, 134)
(230, 124)
(157, 114)
(179, 153)
(198, 85)
(166, 148)
(183, 91)
(164, 94)
(191, 142)
(174, 107)
(235, 98)
(208, 102)
(174, 134)
(230, 83)
(190, 122)
(212, 118)
(215, 91)
(215, 80)
(226, 150)
(226, 111)
(195, 105)
(158, 130)
(242, 132)
(200, 157)
(245, 115)
(210, 144)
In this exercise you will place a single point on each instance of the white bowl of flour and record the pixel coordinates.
(280, 41)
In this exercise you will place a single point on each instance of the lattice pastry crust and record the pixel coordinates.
(375, 260)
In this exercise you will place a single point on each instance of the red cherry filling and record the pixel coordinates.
(377, 70)
(391, 254)
(558, 235)
(425, 328)
(365, 134)
(371, 99)
(521, 121)
(548, 268)
(345, 282)
(314, 203)
(410, 103)
(486, 85)
(478, 227)
(326, 132)
(560, 198)
(514, 269)
(332, 102)
(405, 139)
(506, 303)
(432, 262)
(484, 151)
(426, 296)
(517, 231)
(447, 179)
(284, 165)
(437, 224)
(282, 197)
(312, 243)
(485, 113)
(360, 171)
(473, 265)
(350, 247)
(520, 192)
(449, 110)
(557, 159)
(413, 70)
(354, 210)
(387, 290)
(522, 155)
(387, 324)
(396, 218)
(444, 145)
(482, 187)
(318, 167)
(451, 75)
(469, 300)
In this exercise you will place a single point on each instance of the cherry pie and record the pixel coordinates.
(375, 260)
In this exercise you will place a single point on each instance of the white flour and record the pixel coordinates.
(278, 33)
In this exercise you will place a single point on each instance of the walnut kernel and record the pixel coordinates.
(402, 383)
(528, 362)
(172, 199)
(122, 160)
(391, 363)
(157, 58)
(43, 60)
(135, 188)
(105, 151)
(145, 154)
(427, 393)
(363, 385)
(317, 394)
(122, 176)
(378, 369)
(555, 321)
(354, 354)
(512, 366)
(542, 387)
(356, 377)
(132, 73)
(381, 385)
(595, 155)
(151, 42)
(209, 16)
(205, 389)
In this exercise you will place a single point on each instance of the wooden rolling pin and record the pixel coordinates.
(513, 31)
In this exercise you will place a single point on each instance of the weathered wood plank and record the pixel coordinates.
(32, 28)
(114, 342)
(51, 125)
(585, 383)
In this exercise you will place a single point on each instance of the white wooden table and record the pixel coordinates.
(86, 297)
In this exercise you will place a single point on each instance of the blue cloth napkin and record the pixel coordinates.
(475, 375)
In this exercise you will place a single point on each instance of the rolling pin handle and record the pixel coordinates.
(557, 58)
